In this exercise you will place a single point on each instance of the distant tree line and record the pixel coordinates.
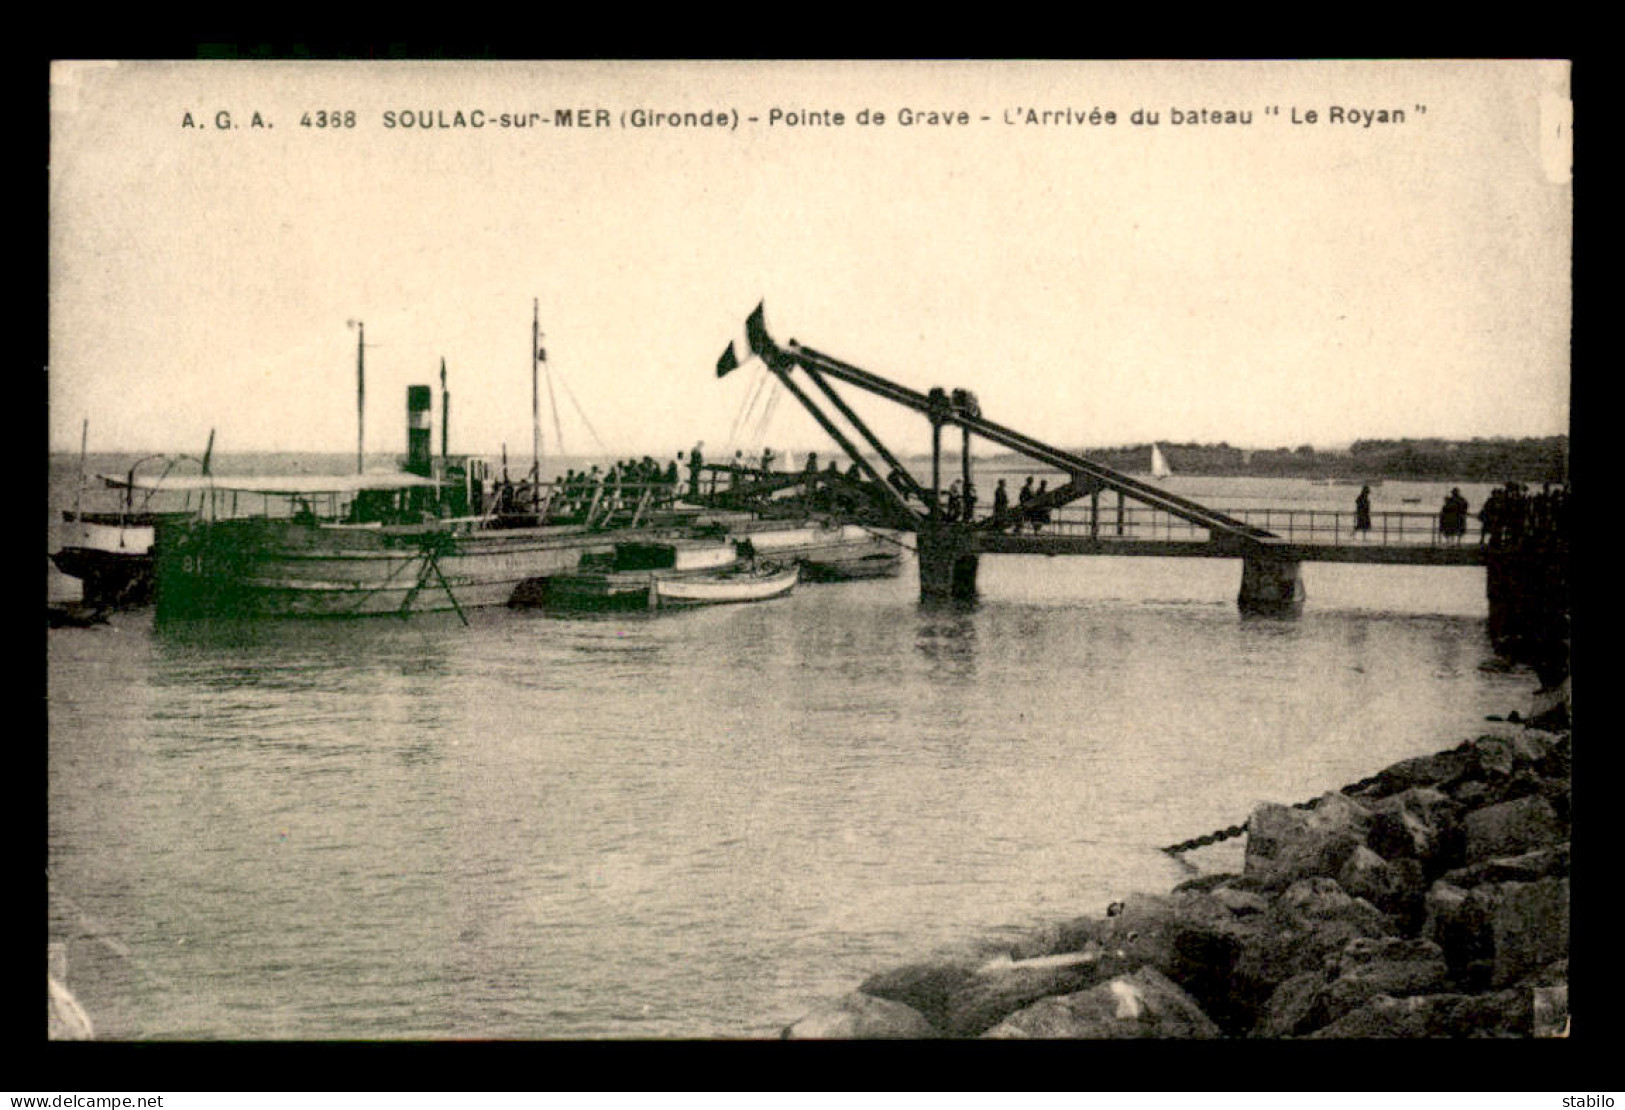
(1475, 460)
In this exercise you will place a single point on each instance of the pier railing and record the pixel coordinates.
(1305, 526)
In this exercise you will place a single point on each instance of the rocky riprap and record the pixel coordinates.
(1430, 900)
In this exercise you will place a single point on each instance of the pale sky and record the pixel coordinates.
(1267, 284)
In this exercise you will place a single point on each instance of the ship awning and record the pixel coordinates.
(287, 485)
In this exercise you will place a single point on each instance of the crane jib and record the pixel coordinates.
(782, 359)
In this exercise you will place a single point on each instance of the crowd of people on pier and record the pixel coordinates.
(623, 485)
(1512, 516)
(961, 501)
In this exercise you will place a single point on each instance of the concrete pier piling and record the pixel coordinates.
(1271, 587)
(947, 568)
(1529, 604)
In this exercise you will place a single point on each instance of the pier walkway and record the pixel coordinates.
(1299, 535)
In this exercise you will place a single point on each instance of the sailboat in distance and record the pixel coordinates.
(1159, 465)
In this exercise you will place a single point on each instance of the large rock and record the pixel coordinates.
(1312, 920)
(1502, 768)
(1193, 938)
(1383, 1016)
(1540, 864)
(1458, 921)
(1503, 754)
(1498, 1014)
(1558, 792)
(1297, 1007)
(1056, 938)
(1384, 966)
(1285, 844)
(1529, 926)
(1416, 824)
(1313, 904)
(1142, 1004)
(1396, 887)
(925, 987)
(1393, 965)
(1510, 828)
(1003, 987)
(1502, 1014)
(1491, 757)
(1455, 923)
(1498, 933)
(1424, 770)
(1556, 762)
(1240, 902)
(858, 1016)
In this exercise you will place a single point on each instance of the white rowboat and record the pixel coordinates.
(723, 588)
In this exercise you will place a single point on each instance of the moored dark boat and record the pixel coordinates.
(625, 577)
(111, 554)
(827, 552)
(841, 568)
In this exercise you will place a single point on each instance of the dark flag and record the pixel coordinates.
(541, 354)
(728, 361)
(756, 332)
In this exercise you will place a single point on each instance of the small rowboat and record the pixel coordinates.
(874, 564)
(723, 587)
(660, 575)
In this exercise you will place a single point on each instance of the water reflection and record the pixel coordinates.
(947, 639)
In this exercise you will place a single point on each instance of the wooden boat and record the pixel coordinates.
(826, 552)
(841, 568)
(369, 559)
(110, 551)
(626, 576)
(755, 583)
(111, 554)
(73, 614)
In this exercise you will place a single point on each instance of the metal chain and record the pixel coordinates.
(1233, 831)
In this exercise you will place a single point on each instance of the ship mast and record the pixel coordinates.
(535, 403)
(78, 496)
(360, 397)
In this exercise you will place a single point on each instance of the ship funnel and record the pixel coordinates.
(419, 429)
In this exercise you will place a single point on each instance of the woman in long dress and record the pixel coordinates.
(1362, 511)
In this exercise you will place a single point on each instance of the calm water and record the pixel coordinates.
(695, 824)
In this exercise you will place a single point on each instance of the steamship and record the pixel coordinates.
(430, 537)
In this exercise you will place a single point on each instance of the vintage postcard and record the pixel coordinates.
(653, 550)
